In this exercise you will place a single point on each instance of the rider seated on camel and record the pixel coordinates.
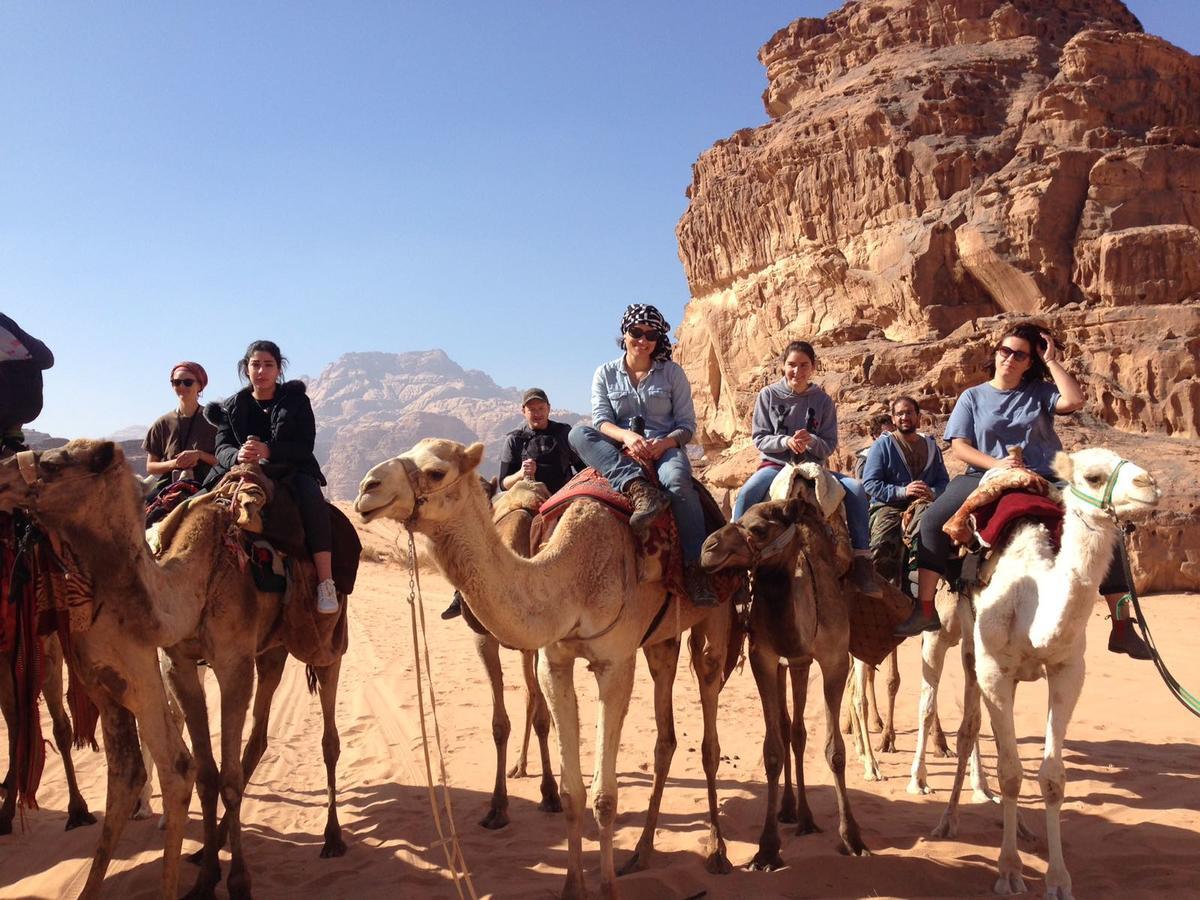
(795, 421)
(903, 468)
(22, 361)
(182, 444)
(645, 384)
(271, 423)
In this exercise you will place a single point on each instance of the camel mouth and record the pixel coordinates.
(371, 506)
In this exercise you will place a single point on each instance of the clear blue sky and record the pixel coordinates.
(495, 179)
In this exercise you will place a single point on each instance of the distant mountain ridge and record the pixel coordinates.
(371, 406)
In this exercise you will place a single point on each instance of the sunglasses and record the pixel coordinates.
(1010, 353)
(182, 382)
(642, 334)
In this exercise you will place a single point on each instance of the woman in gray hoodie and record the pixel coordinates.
(795, 421)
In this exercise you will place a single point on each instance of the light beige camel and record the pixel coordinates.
(581, 596)
(52, 691)
(1030, 623)
(799, 614)
(86, 493)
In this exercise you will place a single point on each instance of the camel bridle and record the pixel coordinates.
(412, 474)
(1104, 502)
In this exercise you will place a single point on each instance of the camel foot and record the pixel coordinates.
(877, 724)
(639, 862)
(550, 803)
(1009, 883)
(918, 786)
(941, 750)
(140, 812)
(807, 825)
(79, 817)
(718, 863)
(946, 829)
(887, 743)
(983, 795)
(520, 770)
(787, 810)
(852, 845)
(872, 774)
(574, 888)
(205, 886)
(495, 819)
(239, 885)
(765, 862)
(1059, 892)
(334, 846)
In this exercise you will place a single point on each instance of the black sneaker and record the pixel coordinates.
(916, 623)
(1126, 640)
(698, 585)
(455, 607)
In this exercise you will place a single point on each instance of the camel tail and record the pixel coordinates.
(310, 674)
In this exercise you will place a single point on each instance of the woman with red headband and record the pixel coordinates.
(182, 443)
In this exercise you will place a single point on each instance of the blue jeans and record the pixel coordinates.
(674, 473)
(857, 506)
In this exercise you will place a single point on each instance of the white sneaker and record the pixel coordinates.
(327, 599)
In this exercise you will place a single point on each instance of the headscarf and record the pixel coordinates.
(645, 314)
(195, 368)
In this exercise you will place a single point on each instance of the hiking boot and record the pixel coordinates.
(698, 586)
(455, 607)
(648, 502)
(1126, 640)
(327, 598)
(916, 623)
(862, 576)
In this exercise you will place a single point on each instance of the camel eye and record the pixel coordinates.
(1094, 478)
(437, 475)
(757, 530)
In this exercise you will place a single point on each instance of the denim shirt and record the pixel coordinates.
(663, 399)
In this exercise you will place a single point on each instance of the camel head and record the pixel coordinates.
(1097, 476)
(763, 532)
(422, 486)
(53, 483)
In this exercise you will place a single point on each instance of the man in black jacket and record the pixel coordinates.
(22, 361)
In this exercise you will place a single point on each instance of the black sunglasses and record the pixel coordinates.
(642, 334)
(1018, 355)
(182, 382)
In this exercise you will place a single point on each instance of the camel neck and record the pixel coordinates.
(1064, 604)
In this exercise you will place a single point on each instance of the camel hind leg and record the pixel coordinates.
(1065, 685)
(709, 643)
(52, 689)
(520, 769)
(789, 812)
(859, 716)
(614, 684)
(887, 738)
(327, 684)
(541, 727)
(765, 666)
(933, 659)
(663, 661)
(833, 679)
(805, 823)
(556, 673)
(488, 649)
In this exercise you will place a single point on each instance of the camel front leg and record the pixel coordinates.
(520, 769)
(488, 649)
(663, 661)
(887, 740)
(556, 673)
(788, 812)
(52, 690)
(765, 665)
(709, 644)
(805, 824)
(999, 693)
(331, 749)
(968, 730)
(1065, 685)
(834, 667)
(933, 660)
(614, 683)
(872, 711)
(235, 676)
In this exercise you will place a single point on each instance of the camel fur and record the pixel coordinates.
(579, 597)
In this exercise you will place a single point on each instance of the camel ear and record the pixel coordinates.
(792, 509)
(102, 457)
(472, 456)
(1063, 465)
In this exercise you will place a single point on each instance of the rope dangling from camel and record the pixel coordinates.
(455, 860)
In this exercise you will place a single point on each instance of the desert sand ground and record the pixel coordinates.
(1130, 820)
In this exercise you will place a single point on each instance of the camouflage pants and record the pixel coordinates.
(890, 538)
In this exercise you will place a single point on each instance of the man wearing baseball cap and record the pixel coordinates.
(538, 450)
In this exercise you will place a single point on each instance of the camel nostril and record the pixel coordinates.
(367, 486)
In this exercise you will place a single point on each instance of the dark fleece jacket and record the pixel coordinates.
(293, 431)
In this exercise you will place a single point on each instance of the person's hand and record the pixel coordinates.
(918, 490)
(638, 446)
(529, 468)
(799, 442)
(656, 447)
(254, 451)
(1049, 353)
(1008, 462)
(187, 459)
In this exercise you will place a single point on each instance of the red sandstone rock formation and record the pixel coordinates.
(932, 170)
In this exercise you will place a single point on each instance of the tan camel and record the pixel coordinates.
(86, 493)
(786, 543)
(1030, 622)
(579, 597)
(52, 691)
(513, 512)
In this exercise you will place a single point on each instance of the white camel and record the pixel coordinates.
(1030, 622)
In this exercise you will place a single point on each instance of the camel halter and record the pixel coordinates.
(1105, 501)
(412, 475)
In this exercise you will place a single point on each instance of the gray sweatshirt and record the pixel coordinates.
(779, 413)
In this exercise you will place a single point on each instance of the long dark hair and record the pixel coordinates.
(1035, 336)
(261, 347)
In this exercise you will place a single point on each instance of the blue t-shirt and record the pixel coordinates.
(994, 420)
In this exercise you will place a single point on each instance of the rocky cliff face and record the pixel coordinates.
(371, 406)
(933, 171)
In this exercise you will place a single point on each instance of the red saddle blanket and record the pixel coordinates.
(993, 522)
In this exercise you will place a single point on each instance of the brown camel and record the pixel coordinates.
(86, 493)
(52, 690)
(581, 596)
(786, 543)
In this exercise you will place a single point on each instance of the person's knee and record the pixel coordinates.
(580, 436)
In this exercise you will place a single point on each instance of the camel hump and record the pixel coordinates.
(524, 495)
